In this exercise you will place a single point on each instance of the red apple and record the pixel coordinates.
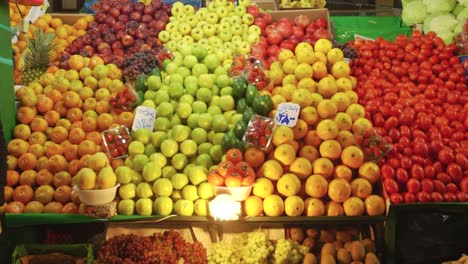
(451, 187)
(115, 12)
(100, 17)
(267, 17)
(253, 10)
(322, 34)
(260, 22)
(301, 21)
(135, 16)
(273, 50)
(149, 10)
(120, 34)
(258, 51)
(268, 29)
(321, 23)
(116, 45)
(274, 37)
(146, 18)
(285, 29)
(128, 41)
(285, 21)
(263, 41)
(102, 46)
(288, 44)
(396, 198)
(450, 197)
(423, 197)
(123, 18)
(462, 197)
(298, 32)
(139, 7)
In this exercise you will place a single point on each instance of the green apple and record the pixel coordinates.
(200, 52)
(204, 160)
(192, 20)
(201, 207)
(171, 68)
(184, 109)
(157, 137)
(214, 100)
(220, 70)
(129, 161)
(165, 109)
(144, 206)
(149, 103)
(204, 148)
(205, 121)
(179, 161)
(197, 34)
(187, 98)
(176, 36)
(189, 147)
(235, 118)
(184, 72)
(144, 190)
(151, 171)
(229, 114)
(162, 187)
(219, 123)
(123, 174)
(204, 94)
(168, 171)
(164, 36)
(211, 61)
(153, 82)
(184, 29)
(176, 90)
(180, 132)
(218, 138)
(127, 191)
(126, 207)
(176, 120)
(199, 69)
(189, 192)
(149, 95)
(163, 205)
(199, 107)
(192, 120)
(136, 147)
(139, 161)
(161, 96)
(179, 180)
(176, 77)
(226, 91)
(206, 190)
(149, 149)
(159, 159)
(214, 109)
(215, 89)
(162, 124)
(190, 61)
(205, 80)
(191, 85)
(169, 147)
(227, 103)
(223, 80)
(176, 195)
(216, 153)
(225, 35)
(183, 207)
(136, 177)
(198, 174)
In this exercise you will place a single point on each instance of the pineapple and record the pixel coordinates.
(37, 55)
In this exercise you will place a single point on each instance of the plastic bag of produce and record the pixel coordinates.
(414, 12)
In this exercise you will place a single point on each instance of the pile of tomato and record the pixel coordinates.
(414, 91)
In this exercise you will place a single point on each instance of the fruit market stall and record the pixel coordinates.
(229, 134)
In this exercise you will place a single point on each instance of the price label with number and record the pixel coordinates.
(144, 118)
(287, 114)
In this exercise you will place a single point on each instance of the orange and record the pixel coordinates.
(81, 23)
(339, 190)
(126, 119)
(8, 193)
(76, 135)
(53, 208)
(25, 114)
(12, 178)
(12, 161)
(51, 117)
(62, 177)
(314, 207)
(41, 24)
(353, 206)
(60, 108)
(309, 114)
(345, 138)
(55, 95)
(89, 124)
(253, 206)
(59, 134)
(73, 167)
(23, 193)
(22, 131)
(37, 138)
(17, 147)
(115, 163)
(57, 163)
(254, 157)
(71, 99)
(327, 108)
(301, 167)
(27, 161)
(34, 207)
(300, 129)
(71, 152)
(102, 107)
(14, 207)
(94, 136)
(76, 124)
(323, 166)
(370, 171)
(285, 154)
(333, 208)
(56, 22)
(343, 172)
(361, 188)
(312, 138)
(330, 149)
(271, 169)
(95, 60)
(44, 103)
(63, 122)
(352, 156)
(316, 186)
(327, 129)
(70, 208)
(104, 121)
(86, 147)
(309, 152)
(44, 177)
(52, 149)
(375, 205)
(63, 194)
(74, 114)
(38, 124)
(282, 134)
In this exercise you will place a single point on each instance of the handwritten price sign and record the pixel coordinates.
(287, 114)
(144, 118)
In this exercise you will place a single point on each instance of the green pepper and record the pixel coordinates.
(228, 141)
(140, 82)
(262, 104)
(140, 97)
(248, 113)
(239, 144)
(239, 87)
(250, 94)
(239, 128)
(241, 106)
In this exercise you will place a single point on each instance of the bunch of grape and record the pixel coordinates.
(138, 63)
(288, 252)
(168, 247)
(348, 50)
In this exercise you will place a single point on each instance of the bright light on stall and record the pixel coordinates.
(224, 207)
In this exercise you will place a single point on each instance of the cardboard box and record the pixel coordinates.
(78, 250)
(312, 14)
(266, 5)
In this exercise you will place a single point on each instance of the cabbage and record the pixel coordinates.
(405, 2)
(457, 10)
(414, 12)
(439, 5)
(447, 36)
(463, 2)
(463, 15)
(439, 22)
(458, 28)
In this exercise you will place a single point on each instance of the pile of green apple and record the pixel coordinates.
(167, 168)
(221, 27)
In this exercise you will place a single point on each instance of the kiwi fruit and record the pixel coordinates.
(328, 249)
(327, 259)
(343, 256)
(297, 234)
(309, 258)
(371, 258)
(358, 251)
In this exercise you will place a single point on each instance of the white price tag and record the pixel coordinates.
(36, 12)
(144, 118)
(287, 114)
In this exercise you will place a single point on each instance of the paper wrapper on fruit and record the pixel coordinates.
(52, 258)
(101, 211)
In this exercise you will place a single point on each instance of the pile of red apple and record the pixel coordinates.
(121, 28)
(414, 90)
(284, 34)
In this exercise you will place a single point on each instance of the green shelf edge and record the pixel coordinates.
(20, 220)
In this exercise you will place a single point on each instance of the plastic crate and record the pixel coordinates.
(82, 250)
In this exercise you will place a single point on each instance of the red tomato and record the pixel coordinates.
(451, 187)
(233, 180)
(396, 198)
(391, 186)
(244, 169)
(455, 171)
(437, 197)
(413, 186)
(401, 175)
(225, 167)
(423, 197)
(417, 172)
(409, 197)
(427, 185)
(215, 179)
(462, 197)
(429, 172)
(387, 171)
(234, 155)
(450, 197)
(439, 186)
(464, 184)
